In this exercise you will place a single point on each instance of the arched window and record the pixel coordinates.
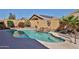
(48, 23)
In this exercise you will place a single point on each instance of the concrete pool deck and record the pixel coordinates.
(61, 45)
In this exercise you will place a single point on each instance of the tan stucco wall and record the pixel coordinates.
(39, 23)
(54, 24)
(43, 23)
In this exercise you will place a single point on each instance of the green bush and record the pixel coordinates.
(27, 23)
(10, 23)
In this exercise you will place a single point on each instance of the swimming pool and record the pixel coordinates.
(43, 36)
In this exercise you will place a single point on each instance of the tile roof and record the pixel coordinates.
(44, 17)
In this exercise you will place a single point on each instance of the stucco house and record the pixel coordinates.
(38, 21)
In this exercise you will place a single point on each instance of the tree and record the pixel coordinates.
(71, 22)
(27, 23)
(12, 16)
(10, 24)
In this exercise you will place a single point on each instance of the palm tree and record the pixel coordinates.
(71, 22)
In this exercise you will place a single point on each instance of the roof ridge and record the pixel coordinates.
(46, 16)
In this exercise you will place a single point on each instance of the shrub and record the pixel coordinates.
(21, 24)
(10, 23)
(2, 25)
(27, 23)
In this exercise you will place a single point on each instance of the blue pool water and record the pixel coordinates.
(40, 36)
(21, 34)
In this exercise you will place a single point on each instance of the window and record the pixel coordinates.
(48, 23)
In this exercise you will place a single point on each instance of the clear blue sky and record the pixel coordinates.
(4, 13)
